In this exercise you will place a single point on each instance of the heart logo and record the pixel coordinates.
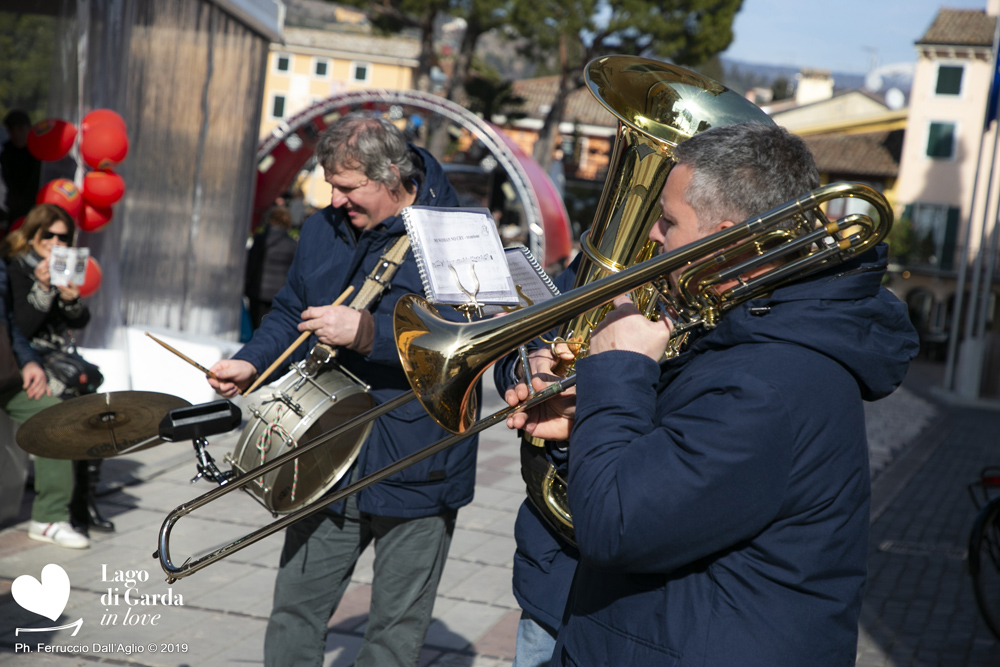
(47, 598)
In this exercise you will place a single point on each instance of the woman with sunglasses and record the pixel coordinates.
(46, 314)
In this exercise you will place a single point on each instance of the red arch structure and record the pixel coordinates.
(282, 155)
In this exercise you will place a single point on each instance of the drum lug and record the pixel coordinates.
(355, 378)
(292, 405)
(282, 397)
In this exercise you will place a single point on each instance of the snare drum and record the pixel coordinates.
(300, 408)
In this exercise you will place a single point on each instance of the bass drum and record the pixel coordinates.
(297, 410)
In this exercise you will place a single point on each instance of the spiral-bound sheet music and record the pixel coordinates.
(533, 285)
(460, 256)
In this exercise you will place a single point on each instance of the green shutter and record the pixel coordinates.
(949, 80)
(941, 140)
(950, 240)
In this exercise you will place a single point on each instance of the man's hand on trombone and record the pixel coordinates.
(624, 328)
(553, 419)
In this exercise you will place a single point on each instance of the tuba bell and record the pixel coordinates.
(657, 106)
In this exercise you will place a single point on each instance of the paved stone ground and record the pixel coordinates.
(919, 610)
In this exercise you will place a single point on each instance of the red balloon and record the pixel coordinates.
(101, 189)
(51, 139)
(103, 145)
(94, 218)
(62, 192)
(98, 116)
(91, 279)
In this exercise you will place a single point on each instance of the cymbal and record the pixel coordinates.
(98, 426)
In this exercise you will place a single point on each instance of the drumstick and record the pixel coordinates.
(291, 348)
(184, 357)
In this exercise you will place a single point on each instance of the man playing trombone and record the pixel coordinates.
(720, 498)
(411, 516)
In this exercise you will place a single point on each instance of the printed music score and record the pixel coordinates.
(533, 285)
(460, 256)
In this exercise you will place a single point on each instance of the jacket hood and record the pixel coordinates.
(842, 312)
(436, 190)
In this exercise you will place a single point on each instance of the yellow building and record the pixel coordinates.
(313, 65)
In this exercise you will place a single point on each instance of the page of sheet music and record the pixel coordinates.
(461, 248)
(532, 283)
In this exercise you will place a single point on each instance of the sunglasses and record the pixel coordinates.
(65, 238)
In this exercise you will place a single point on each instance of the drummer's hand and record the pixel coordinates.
(35, 384)
(333, 325)
(553, 419)
(233, 376)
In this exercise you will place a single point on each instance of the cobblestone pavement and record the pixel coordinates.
(919, 610)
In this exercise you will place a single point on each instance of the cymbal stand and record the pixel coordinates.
(206, 465)
(196, 423)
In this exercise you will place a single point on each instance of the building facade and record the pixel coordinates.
(312, 65)
(947, 144)
(946, 131)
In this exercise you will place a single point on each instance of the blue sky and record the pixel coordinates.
(834, 34)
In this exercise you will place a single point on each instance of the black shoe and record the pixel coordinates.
(84, 514)
(96, 521)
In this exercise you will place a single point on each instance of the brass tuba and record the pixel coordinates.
(657, 106)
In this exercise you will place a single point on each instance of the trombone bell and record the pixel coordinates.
(442, 367)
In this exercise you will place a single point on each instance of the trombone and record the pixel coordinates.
(443, 360)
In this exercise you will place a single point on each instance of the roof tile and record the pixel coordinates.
(961, 27)
(581, 107)
(871, 154)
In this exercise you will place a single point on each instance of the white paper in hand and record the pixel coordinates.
(68, 266)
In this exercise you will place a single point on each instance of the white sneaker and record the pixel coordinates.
(60, 533)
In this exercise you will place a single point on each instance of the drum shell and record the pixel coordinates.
(303, 408)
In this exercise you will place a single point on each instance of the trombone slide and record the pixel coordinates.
(189, 567)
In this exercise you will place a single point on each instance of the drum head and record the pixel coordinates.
(323, 467)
